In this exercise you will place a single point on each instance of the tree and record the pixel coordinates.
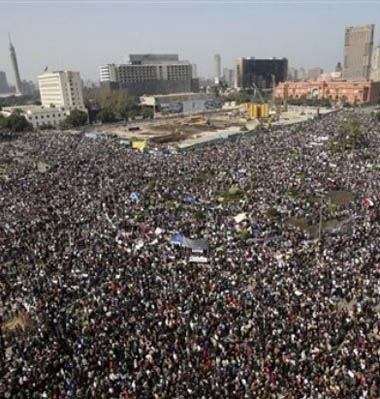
(132, 114)
(15, 122)
(349, 135)
(118, 101)
(76, 118)
(106, 115)
(378, 116)
(147, 113)
(3, 121)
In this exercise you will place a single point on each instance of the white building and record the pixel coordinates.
(194, 70)
(218, 68)
(62, 89)
(38, 115)
(61, 93)
(108, 73)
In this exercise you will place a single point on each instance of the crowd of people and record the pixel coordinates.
(110, 308)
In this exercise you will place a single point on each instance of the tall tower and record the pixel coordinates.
(375, 65)
(218, 68)
(358, 44)
(15, 66)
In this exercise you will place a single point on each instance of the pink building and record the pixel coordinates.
(358, 92)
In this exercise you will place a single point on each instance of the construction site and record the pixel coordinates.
(186, 131)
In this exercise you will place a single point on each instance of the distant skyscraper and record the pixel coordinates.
(338, 67)
(15, 67)
(302, 74)
(4, 88)
(229, 76)
(314, 73)
(28, 87)
(194, 71)
(262, 73)
(358, 44)
(293, 74)
(375, 64)
(218, 68)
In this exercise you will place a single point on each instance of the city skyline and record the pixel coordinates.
(70, 36)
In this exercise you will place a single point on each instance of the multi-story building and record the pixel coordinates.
(229, 76)
(28, 87)
(217, 68)
(4, 88)
(61, 89)
(302, 75)
(108, 73)
(39, 116)
(61, 93)
(252, 72)
(358, 44)
(293, 74)
(150, 74)
(194, 70)
(315, 73)
(353, 92)
(375, 64)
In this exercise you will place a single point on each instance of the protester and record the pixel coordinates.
(112, 309)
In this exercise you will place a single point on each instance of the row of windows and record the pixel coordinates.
(48, 116)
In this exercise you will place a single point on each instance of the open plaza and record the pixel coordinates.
(246, 269)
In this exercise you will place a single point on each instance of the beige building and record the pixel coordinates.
(358, 44)
(375, 65)
(61, 89)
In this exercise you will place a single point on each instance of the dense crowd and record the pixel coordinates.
(112, 309)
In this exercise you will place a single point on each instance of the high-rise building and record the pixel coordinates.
(252, 72)
(108, 73)
(375, 64)
(229, 76)
(4, 88)
(61, 89)
(358, 44)
(293, 74)
(314, 73)
(218, 68)
(302, 75)
(28, 87)
(194, 70)
(146, 74)
(15, 67)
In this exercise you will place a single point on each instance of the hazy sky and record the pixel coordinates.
(81, 35)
